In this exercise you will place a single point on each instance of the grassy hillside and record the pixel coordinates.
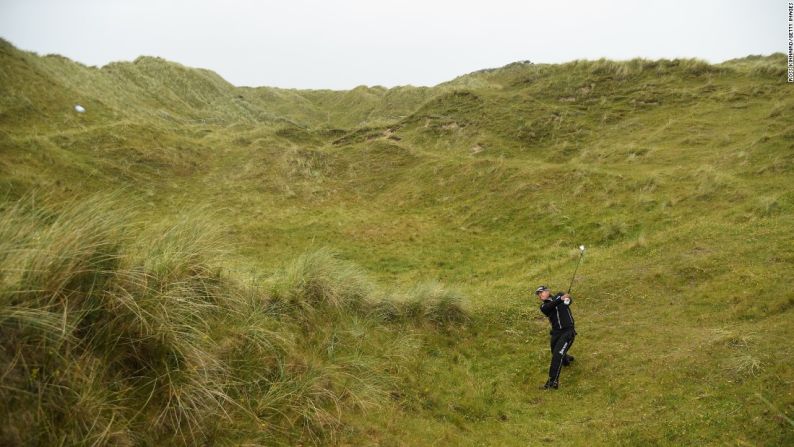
(339, 216)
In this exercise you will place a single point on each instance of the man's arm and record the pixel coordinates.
(548, 306)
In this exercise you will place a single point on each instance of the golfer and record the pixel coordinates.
(558, 310)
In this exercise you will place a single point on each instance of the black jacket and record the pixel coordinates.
(558, 312)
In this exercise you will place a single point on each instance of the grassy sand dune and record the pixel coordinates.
(192, 262)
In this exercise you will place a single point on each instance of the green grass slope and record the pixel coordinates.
(676, 174)
(113, 334)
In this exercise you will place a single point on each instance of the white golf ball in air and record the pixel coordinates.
(581, 247)
(79, 109)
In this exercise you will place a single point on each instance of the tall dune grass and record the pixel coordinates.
(118, 334)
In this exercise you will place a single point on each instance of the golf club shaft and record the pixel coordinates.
(581, 255)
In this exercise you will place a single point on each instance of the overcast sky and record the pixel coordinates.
(345, 43)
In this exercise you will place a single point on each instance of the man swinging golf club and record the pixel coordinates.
(558, 311)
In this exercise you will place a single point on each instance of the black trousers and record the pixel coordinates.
(561, 342)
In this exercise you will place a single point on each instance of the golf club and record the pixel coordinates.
(581, 255)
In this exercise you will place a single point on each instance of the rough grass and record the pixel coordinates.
(675, 174)
(109, 338)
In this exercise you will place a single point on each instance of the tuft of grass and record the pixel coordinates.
(74, 303)
(320, 280)
(433, 302)
(743, 365)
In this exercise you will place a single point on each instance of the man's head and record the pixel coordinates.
(543, 292)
